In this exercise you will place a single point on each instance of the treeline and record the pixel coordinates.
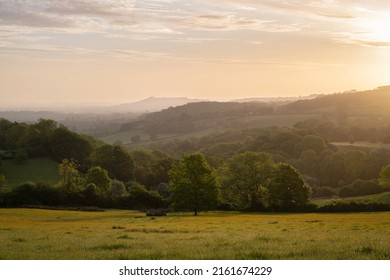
(255, 169)
(328, 169)
(345, 131)
(46, 138)
(128, 178)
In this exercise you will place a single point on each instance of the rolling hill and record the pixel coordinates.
(370, 102)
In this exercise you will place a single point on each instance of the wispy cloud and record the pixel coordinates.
(373, 43)
(112, 23)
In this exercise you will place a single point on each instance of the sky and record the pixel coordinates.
(116, 51)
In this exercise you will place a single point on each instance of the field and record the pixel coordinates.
(361, 145)
(120, 234)
(34, 170)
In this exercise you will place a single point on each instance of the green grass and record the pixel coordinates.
(34, 170)
(361, 145)
(119, 234)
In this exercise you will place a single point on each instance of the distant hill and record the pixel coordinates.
(151, 104)
(279, 99)
(370, 102)
(200, 118)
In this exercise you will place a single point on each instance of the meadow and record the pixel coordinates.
(121, 234)
(361, 145)
(33, 170)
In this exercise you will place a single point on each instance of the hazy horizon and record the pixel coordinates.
(114, 52)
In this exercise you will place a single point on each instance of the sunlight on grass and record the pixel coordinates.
(48, 234)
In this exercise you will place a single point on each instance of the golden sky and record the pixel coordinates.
(120, 51)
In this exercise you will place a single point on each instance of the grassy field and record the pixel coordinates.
(34, 170)
(56, 234)
(361, 145)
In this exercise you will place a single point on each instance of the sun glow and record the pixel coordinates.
(377, 28)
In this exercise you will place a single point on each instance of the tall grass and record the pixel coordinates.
(54, 234)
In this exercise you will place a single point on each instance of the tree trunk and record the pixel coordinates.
(196, 212)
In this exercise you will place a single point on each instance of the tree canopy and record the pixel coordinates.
(193, 184)
(244, 178)
(287, 189)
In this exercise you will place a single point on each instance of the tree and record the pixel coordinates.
(193, 184)
(333, 170)
(244, 179)
(118, 188)
(354, 165)
(141, 198)
(384, 177)
(99, 177)
(287, 189)
(310, 142)
(69, 177)
(66, 144)
(119, 164)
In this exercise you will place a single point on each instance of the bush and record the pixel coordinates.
(33, 194)
(141, 198)
(360, 188)
(353, 207)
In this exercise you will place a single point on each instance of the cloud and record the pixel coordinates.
(336, 15)
(323, 8)
(104, 16)
(372, 43)
(177, 21)
(16, 13)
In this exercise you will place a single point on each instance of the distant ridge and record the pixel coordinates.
(151, 104)
(278, 99)
(376, 101)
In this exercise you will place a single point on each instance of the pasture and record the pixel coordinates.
(33, 170)
(121, 234)
(361, 145)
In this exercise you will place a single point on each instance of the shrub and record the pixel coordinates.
(361, 187)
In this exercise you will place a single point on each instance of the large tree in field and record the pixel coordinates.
(244, 180)
(193, 184)
(287, 189)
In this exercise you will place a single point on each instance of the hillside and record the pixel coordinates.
(151, 104)
(201, 118)
(362, 109)
(370, 102)
(95, 120)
